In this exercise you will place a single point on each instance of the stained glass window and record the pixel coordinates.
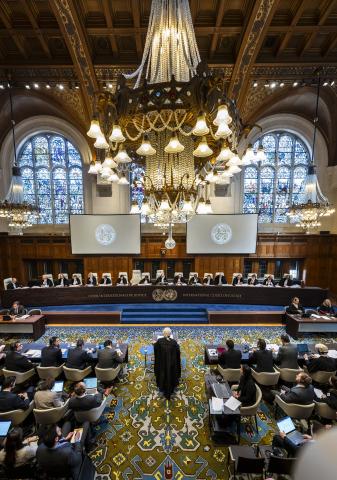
(137, 188)
(269, 187)
(51, 169)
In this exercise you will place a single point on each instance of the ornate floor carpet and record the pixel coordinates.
(142, 435)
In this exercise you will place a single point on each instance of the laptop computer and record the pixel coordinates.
(90, 384)
(4, 428)
(287, 426)
(58, 387)
(302, 348)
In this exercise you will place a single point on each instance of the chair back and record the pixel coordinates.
(92, 415)
(49, 372)
(35, 311)
(206, 275)
(20, 377)
(266, 378)
(178, 273)
(266, 275)
(251, 274)
(50, 415)
(146, 274)
(79, 276)
(289, 374)
(230, 374)
(324, 411)
(294, 410)
(235, 275)
(250, 465)
(159, 273)
(107, 274)
(107, 374)
(17, 416)
(322, 377)
(252, 409)
(192, 275)
(125, 275)
(75, 375)
(280, 465)
(7, 281)
(64, 274)
(219, 273)
(136, 277)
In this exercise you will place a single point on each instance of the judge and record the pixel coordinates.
(122, 280)
(252, 280)
(17, 309)
(161, 280)
(145, 280)
(105, 280)
(46, 282)
(326, 308)
(238, 280)
(208, 280)
(179, 280)
(91, 280)
(220, 279)
(167, 366)
(286, 281)
(13, 284)
(295, 307)
(61, 281)
(76, 280)
(194, 280)
(269, 282)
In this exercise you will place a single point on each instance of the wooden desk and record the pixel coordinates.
(33, 325)
(297, 325)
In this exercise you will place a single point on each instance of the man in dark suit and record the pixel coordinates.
(262, 358)
(122, 280)
(302, 393)
(13, 284)
(91, 280)
(145, 280)
(9, 400)
(17, 309)
(179, 280)
(161, 280)
(230, 358)
(252, 280)
(108, 357)
(62, 281)
(51, 355)
(15, 361)
(322, 363)
(46, 282)
(286, 281)
(76, 280)
(81, 402)
(220, 279)
(287, 354)
(295, 307)
(269, 281)
(194, 280)
(77, 357)
(238, 280)
(208, 280)
(105, 280)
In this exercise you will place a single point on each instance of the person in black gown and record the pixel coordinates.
(167, 367)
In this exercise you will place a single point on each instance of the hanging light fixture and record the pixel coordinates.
(201, 127)
(307, 214)
(20, 214)
(122, 156)
(116, 135)
(174, 146)
(146, 149)
(203, 150)
(95, 129)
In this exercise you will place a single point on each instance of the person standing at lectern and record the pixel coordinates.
(208, 280)
(91, 280)
(13, 284)
(167, 367)
(220, 279)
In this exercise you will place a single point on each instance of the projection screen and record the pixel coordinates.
(222, 234)
(105, 234)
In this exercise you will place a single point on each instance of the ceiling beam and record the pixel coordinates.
(136, 23)
(39, 35)
(108, 19)
(73, 34)
(331, 44)
(286, 37)
(257, 25)
(221, 11)
(6, 20)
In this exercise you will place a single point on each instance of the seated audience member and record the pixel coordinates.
(77, 357)
(252, 280)
(10, 400)
(44, 398)
(13, 284)
(17, 309)
(220, 279)
(91, 279)
(179, 280)
(108, 357)
(46, 282)
(208, 280)
(302, 393)
(61, 281)
(280, 440)
(105, 280)
(295, 307)
(56, 456)
(286, 281)
(122, 280)
(145, 280)
(287, 354)
(51, 355)
(269, 282)
(246, 390)
(322, 363)
(76, 280)
(194, 280)
(15, 361)
(326, 308)
(238, 280)
(262, 358)
(17, 452)
(80, 402)
(230, 358)
(161, 280)
(331, 397)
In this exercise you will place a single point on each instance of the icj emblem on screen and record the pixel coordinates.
(221, 233)
(105, 234)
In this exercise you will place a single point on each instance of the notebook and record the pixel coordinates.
(287, 426)
(58, 387)
(4, 427)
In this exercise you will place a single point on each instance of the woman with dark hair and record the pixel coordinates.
(16, 452)
(246, 391)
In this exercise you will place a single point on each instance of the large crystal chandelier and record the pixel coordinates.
(307, 215)
(14, 209)
(176, 121)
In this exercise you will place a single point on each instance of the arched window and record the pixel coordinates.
(137, 187)
(269, 187)
(51, 169)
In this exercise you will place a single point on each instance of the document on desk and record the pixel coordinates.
(273, 346)
(319, 393)
(315, 316)
(332, 353)
(33, 353)
(212, 352)
(232, 403)
(217, 404)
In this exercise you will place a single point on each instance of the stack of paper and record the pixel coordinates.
(33, 353)
(217, 404)
(232, 403)
(332, 353)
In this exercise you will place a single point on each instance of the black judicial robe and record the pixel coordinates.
(167, 366)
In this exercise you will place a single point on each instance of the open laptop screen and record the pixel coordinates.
(286, 425)
(4, 427)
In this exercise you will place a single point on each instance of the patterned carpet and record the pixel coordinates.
(142, 434)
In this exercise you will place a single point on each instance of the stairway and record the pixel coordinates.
(166, 314)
